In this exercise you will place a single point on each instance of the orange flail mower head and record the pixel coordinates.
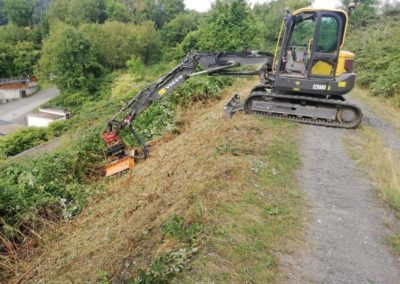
(120, 166)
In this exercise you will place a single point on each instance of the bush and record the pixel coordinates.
(377, 56)
(230, 26)
(26, 138)
(22, 140)
(51, 186)
(136, 67)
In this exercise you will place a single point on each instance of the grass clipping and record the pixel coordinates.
(232, 186)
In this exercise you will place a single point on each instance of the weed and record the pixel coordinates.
(394, 241)
(102, 277)
(226, 149)
(165, 267)
(175, 227)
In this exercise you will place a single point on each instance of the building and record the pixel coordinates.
(16, 88)
(45, 116)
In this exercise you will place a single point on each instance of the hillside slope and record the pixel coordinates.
(230, 182)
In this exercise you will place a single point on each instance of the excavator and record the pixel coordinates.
(305, 80)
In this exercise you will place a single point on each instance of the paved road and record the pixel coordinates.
(16, 111)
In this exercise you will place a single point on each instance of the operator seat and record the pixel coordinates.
(296, 61)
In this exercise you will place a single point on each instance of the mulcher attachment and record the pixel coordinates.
(122, 159)
(116, 150)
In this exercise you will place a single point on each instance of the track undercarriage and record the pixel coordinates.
(303, 109)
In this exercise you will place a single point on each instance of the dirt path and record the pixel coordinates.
(345, 242)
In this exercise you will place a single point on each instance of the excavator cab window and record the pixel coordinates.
(312, 44)
(298, 52)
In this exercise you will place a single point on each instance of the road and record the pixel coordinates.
(16, 111)
(346, 239)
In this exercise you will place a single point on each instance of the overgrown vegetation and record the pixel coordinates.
(166, 266)
(101, 53)
(29, 137)
(185, 222)
(374, 38)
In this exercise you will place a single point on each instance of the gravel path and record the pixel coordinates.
(346, 239)
(386, 129)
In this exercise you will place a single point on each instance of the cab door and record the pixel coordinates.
(326, 44)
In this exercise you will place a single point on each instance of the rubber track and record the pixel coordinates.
(306, 120)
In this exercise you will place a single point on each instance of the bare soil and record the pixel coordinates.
(346, 239)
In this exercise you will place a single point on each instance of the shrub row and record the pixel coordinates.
(26, 138)
(378, 56)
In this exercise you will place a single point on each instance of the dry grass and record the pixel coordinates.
(234, 177)
(387, 108)
(380, 162)
(382, 165)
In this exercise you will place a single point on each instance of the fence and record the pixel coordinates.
(13, 80)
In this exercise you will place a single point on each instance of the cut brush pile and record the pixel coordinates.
(216, 202)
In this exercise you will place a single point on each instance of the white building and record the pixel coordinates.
(46, 116)
(14, 89)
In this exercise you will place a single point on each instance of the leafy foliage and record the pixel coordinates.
(48, 185)
(19, 50)
(164, 267)
(22, 140)
(176, 228)
(270, 16)
(229, 26)
(69, 55)
(19, 12)
(177, 29)
(365, 12)
(376, 48)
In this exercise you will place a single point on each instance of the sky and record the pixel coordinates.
(204, 5)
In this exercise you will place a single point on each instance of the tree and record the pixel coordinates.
(175, 31)
(19, 12)
(365, 11)
(75, 12)
(229, 26)
(116, 42)
(163, 11)
(270, 16)
(69, 55)
(3, 17)
(19, 50)
(117, 11)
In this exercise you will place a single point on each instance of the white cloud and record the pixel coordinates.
(204, 5)
(324, 4)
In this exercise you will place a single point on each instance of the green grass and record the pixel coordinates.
(394, 241)
(264, 216)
